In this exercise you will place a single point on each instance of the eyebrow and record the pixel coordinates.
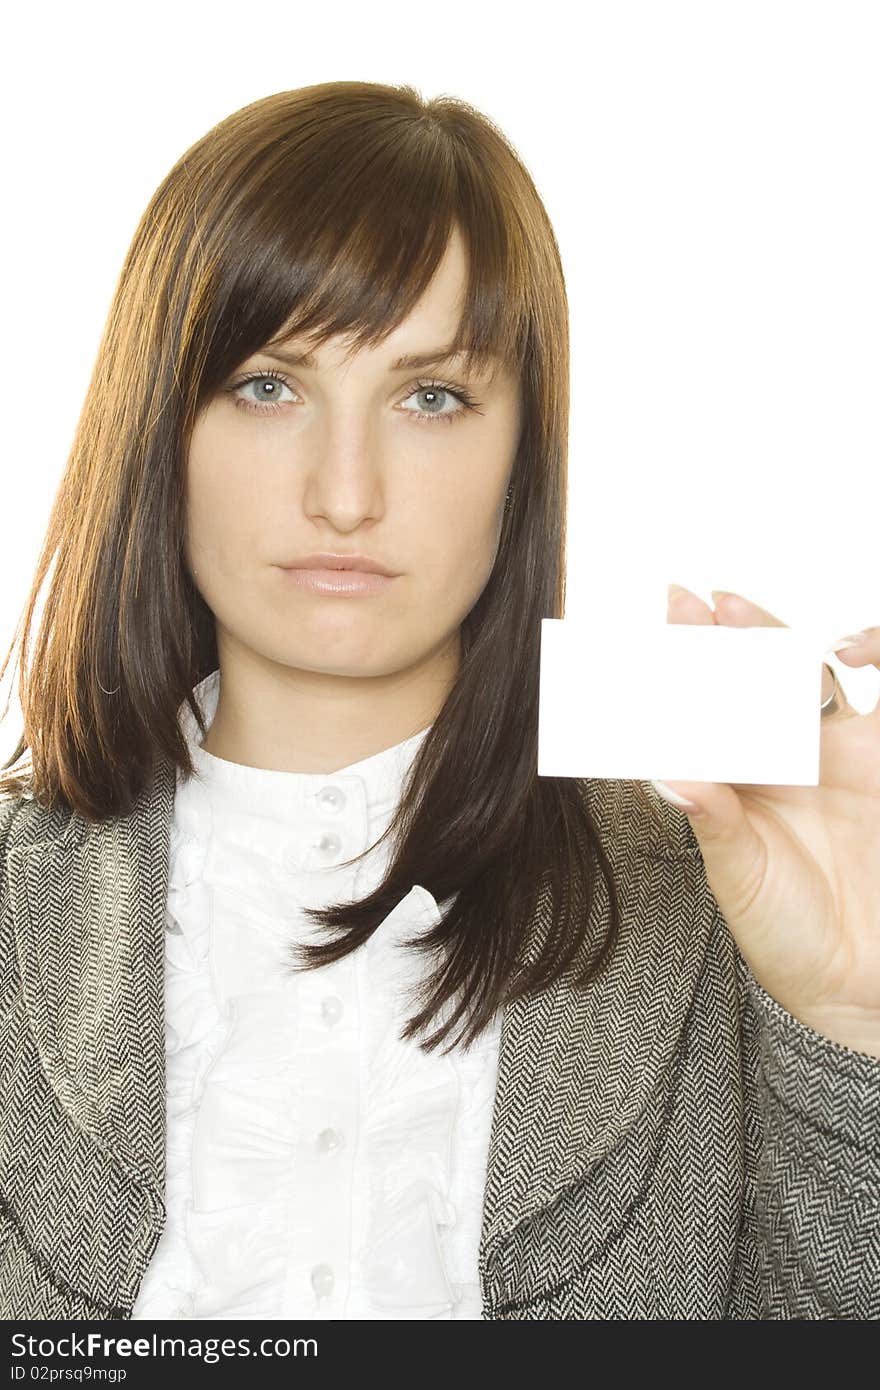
(411, 361)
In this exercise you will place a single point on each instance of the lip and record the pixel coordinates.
(346, 583)
(326, 560)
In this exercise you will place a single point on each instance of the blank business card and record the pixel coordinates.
(677, 701)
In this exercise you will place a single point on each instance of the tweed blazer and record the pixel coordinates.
(667, 1143)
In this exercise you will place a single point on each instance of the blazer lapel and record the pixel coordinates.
(92, 972)
(577, 1067)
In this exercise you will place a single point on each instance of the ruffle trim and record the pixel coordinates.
(233, 1036)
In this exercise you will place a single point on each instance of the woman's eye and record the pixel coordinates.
(266, 398)
(436, 397)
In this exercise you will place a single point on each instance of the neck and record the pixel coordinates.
(289, 719)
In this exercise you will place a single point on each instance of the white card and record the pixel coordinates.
(679, 702)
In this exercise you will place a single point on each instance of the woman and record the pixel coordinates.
(317, 1001)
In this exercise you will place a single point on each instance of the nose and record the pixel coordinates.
(345, 485)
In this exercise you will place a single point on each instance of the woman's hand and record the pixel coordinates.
(796, 870)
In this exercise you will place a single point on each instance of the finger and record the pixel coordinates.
(687, 607)
(866, 653)
(733, 610)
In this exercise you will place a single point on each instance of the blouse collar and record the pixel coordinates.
(381, 774)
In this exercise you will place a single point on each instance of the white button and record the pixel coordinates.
(329, 845)
(328, 1140)
(322, 1280)
(331, 1009)
(331, 799)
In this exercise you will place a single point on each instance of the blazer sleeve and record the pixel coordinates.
(809, 1243)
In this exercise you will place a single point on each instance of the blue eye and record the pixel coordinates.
(438, 388)
(269, 403)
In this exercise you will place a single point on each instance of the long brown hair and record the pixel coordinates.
(325, 211)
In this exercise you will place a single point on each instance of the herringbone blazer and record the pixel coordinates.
(667, 1143)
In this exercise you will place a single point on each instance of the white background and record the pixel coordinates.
(711, 171)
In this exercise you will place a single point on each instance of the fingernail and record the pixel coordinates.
(673, 797)
(675, 590)
(854, 639)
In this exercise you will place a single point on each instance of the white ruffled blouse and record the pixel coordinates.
(317, 1165)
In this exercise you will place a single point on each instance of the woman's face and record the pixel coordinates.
(354, 457)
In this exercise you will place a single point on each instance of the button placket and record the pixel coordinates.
(325, 1159)
(330, 801)
(328, 844)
